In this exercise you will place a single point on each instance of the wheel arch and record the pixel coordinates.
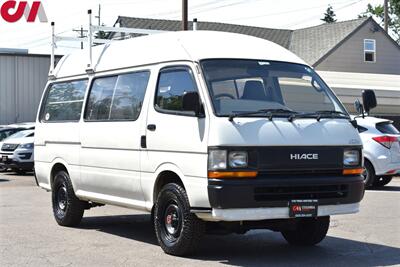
(167, 173)
(58, 165)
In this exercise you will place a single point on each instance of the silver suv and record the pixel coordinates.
(16, 152)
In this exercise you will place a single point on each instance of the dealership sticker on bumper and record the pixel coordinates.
(303, 208)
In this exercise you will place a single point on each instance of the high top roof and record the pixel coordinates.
(173, 46)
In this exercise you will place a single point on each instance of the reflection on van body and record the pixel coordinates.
(208, 131)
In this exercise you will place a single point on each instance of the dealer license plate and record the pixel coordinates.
(4, 158)
(304, 208)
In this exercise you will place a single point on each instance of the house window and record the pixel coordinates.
(369, 50)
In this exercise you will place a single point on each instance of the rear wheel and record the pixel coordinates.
(369, 174)
(382, 181)
(178, 230)
(308, 231)
(67, 208)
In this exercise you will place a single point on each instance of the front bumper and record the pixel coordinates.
(258, 214)
(274, 192)
(13, 164)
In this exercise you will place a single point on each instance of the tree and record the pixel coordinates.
(393, 15)
(329, 15)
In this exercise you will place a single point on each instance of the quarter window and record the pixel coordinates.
(173, 84)
(64, 101)
(369, 50)
(117, 98)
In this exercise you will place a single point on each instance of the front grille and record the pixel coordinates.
(300, 172)
(300, 192)
(9, 147)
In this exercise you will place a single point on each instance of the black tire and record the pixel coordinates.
(3, 169)
(308, 232)
(382, 181)
(369, 174)
(67, 208)
(178, 231)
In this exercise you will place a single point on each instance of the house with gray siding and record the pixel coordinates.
(23, 77)
(351, 55)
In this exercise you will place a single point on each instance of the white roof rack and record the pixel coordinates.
(90, 40)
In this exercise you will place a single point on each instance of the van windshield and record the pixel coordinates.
(248, 87)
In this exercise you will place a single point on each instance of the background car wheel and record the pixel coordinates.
(369, 174)
(67, 208)
(178, 231)
(308, 232)
(382, 181)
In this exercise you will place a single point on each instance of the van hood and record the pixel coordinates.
(281, 132)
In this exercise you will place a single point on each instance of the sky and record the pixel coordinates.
(71, 14)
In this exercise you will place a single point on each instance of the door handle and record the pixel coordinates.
(151, 127)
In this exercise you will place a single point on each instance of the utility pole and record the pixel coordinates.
(184, 15)
(98, 17)
(386, 15)
(81, 34)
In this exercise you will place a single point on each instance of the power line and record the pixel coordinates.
(316, 16)
(283, 12)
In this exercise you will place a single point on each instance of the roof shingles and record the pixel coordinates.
(311, 44)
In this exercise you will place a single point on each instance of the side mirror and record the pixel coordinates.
(369, 100)
(191, 102)
(359, 107)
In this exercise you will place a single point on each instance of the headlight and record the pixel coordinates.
(26, 146)
(217, 160)
(351, 158)
(238, 159)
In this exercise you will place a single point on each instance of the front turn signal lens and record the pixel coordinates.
(232, 175)
(353, 171)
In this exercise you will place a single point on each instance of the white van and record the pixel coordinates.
(208, 131)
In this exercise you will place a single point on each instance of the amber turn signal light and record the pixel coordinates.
(353, 171)
(231, 175)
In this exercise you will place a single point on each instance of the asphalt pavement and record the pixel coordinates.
(112, 236)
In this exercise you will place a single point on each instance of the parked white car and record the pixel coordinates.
(16, 152)
(381, 142)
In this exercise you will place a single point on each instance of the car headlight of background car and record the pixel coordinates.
(26, 146)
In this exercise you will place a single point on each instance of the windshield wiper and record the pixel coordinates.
(269, 112)
(332, 113)
(320, 114)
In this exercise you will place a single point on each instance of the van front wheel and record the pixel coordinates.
(178, 231)
(308, 231)
(67, 208)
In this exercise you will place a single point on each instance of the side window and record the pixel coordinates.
(369, 50)
(173, 84)
(64, 101)
(99, 104)
(117, 98)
